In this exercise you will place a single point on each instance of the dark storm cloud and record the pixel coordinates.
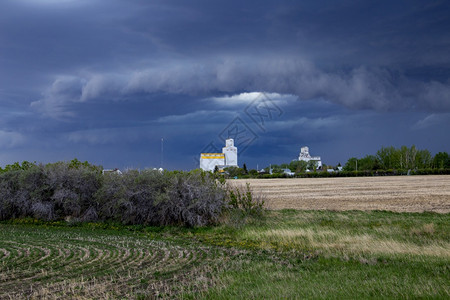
(355, 54)
(77, 73)
(360, 88)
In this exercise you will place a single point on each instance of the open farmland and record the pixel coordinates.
(288, 254)
(396, 193)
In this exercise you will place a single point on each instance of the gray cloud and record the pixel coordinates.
(433, 120)
(435, 95)
(56, 99)
(200, 116)
(10, 139)
(358, 88)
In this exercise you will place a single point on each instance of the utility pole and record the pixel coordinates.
(356, 165)
(162, 151)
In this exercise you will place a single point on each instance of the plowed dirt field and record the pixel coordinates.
(393, 193)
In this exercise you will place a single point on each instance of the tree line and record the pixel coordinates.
(386, 161)
(403, 158)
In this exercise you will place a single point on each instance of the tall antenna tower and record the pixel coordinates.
(162, 151)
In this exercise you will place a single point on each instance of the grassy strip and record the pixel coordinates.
(285, 254)
(338, 255)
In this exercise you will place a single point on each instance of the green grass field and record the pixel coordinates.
(287, 254)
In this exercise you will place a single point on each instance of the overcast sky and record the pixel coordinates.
(105, 81)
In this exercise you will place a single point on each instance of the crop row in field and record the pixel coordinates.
(40, 262)
(286, 254)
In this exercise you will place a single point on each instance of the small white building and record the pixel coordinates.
(208, 161)
(305, 156)
(288, 172)
(111, 171)
(228, 157)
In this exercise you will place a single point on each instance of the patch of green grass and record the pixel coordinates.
(329, 278)
(285, 254)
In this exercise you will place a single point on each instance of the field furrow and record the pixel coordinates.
(90, 267)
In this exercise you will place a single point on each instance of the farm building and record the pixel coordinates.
(305, 156)
(228, 157)
(208, 161)
(112, 171)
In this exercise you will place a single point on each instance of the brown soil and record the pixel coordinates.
(396, 193)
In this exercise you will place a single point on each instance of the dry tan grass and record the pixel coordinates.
(336, 240)
(396, 193)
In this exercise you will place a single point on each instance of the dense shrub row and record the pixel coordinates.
(80, 192)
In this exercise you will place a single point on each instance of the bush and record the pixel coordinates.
(193, 199)
(72, 188)
(10, 204)
(154, 198)
(79, 192)
(131, 198)
(243, 198)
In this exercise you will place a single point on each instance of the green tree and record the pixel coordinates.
(413, 157)
(441, 160)
(351, 164)
(76, 164)
(388, 157)
(404, 157)
(312, 165)
(301, 166)
(284, 166)
(253, 172)
(368, 163)
(26, 165)
(297, 166)
(234, 171)
(424, 159)
(275, 169)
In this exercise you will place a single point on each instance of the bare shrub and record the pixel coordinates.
(67, 202)
(90, 215)
(73, 187)
(8, 190)
(78, 191)
(148, 188)
(42, 211)
(19, 189)
(194, 199)
(131, 197)
(151, 197)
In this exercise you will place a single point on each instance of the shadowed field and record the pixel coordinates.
(396, 193)
(287, 254)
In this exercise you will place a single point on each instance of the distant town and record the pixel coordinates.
(387, 161)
